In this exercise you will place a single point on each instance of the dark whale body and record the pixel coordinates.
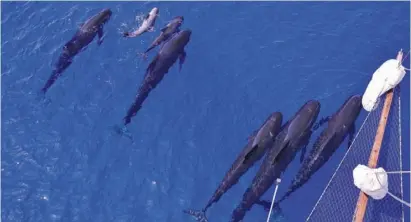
(83, 37)
(255, 149)
(339, 126)
(172, 27)
(172, 50)
(294, 135)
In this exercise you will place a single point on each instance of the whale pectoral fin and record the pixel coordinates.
(249, 156)
(277, 152)
(351, 134)
(177, 30)
(304, 143)
(100, 33)
(253, 135)
(155, 19)
(164, 29)
(303, 153)
(183, 56)
(83, 49)
(152, 64)
(264, 203)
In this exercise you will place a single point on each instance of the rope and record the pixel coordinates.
(400, 200)
(338, 167)
(400, 172)
(277, 183)
(392, 195)
(399, 133)
(393, 172)
(403, 59)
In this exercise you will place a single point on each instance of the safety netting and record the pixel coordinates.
(338, 201)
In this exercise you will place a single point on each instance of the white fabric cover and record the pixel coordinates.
(373, 182)
(386, 77)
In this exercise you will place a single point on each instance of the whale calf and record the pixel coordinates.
(147, 25)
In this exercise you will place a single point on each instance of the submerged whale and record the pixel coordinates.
(256, 147)
(83, 37)
(294, 135)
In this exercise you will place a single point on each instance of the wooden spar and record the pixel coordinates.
(372, 161)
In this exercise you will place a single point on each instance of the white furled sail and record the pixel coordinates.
(386, 77)
(373, 182)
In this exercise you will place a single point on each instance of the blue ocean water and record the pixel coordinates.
(62, 162)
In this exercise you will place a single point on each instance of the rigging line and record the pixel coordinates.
(400, 172)
(277, 183)
(403, 59)
(338, 167)
(400, 200)
(394, 172)
(400, 137)
(392, 195)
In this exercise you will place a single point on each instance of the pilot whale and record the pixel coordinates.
(340, 124)
(294, 135)
(158, 68)
(256, 147)
(83, 37)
